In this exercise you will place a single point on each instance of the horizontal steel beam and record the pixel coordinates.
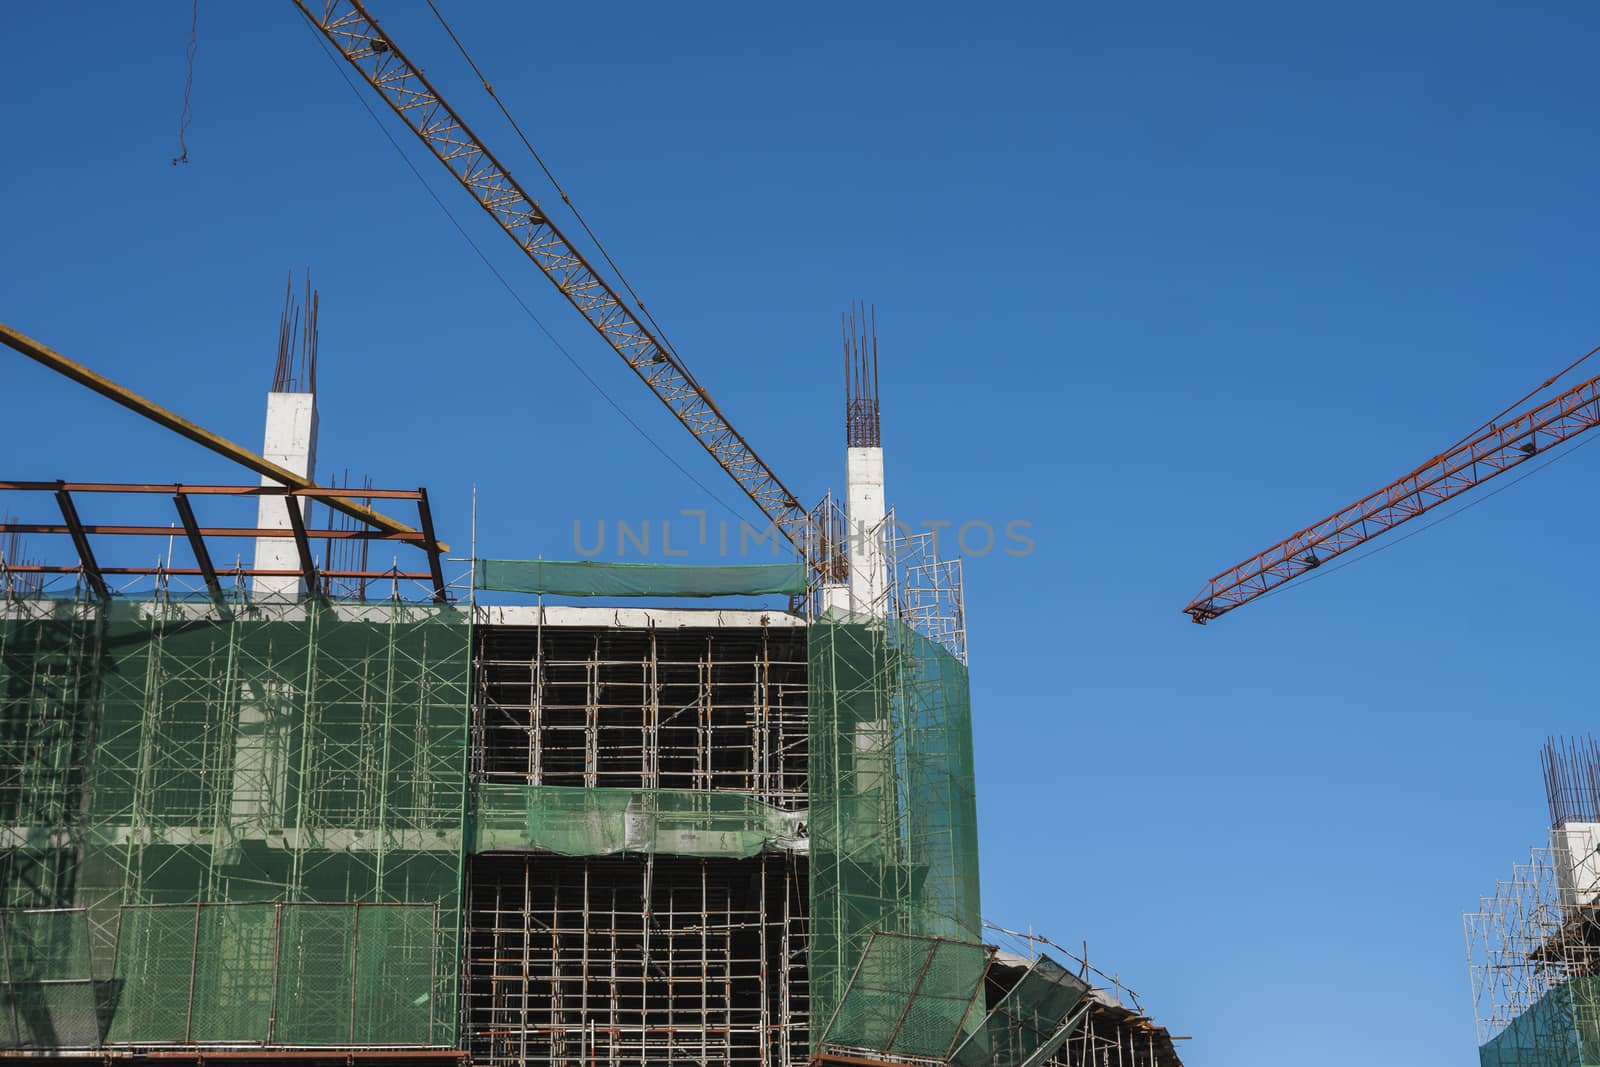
(195, 572)
(181, 489)
(212, 531)
(109, 389)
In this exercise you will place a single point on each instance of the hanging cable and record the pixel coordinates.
(537, 158)
(501, 278)
(186, 116)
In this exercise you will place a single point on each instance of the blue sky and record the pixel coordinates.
(1166, 282)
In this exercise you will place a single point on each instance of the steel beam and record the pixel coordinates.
(210, 531)
(302, 544)
(246, 572)
(315, 492)
(86, 560)
(109, 389)
(197, 545)
(435, 567)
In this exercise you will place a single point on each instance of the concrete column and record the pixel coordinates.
(290, 442)
(869, 549)
(1576, 848)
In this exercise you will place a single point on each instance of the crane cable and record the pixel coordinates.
(186, 116)
(551, 337)
(660, 333)
(1517, 403)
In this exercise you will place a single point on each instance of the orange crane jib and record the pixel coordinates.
(384, 66)
(1504, 445)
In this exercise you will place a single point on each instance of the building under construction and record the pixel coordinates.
(310, 805)
(1533, 946)
(518, 811)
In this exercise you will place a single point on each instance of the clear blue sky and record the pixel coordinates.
(1167, 282)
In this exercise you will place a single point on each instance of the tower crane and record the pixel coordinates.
(1493, 449)
(381, 62)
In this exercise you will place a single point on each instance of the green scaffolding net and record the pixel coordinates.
(593, 578)
(1030, 1022)
(909, 996)
(287, 974)
(1560, 1029)
(894, 841)
(48, 996)
(575, 821)
(158, 754)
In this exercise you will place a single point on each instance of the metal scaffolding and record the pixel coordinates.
(1533, 945)
(648, 956)
(1115, 1030)
(637, 959)
(170, 752)
(698, 709)
(1533, 961)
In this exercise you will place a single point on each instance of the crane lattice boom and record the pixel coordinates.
(357, 36)
(1492, 451)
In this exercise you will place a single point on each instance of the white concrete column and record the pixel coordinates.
(290, 442)
(869, 549)
(1575, 848)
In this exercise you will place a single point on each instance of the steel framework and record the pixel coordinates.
(121, 394)
(347, 528)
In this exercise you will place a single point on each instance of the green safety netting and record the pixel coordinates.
(285, 974)
(1032, 1020)
(894, 841)
(48, 996)
(574, 821)
(909, 996)
(1560, 1029)
(581, 578)
(154, 753)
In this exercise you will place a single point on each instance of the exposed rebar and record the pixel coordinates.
(860, 325)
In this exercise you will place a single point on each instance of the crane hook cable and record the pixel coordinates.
(186, 116)
(551, 337)
(660, 333)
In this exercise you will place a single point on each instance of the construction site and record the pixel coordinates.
(1533, 944)
(269, 798)
(294, 770)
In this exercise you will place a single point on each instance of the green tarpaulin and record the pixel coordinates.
(574, 821)
(592, 578)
